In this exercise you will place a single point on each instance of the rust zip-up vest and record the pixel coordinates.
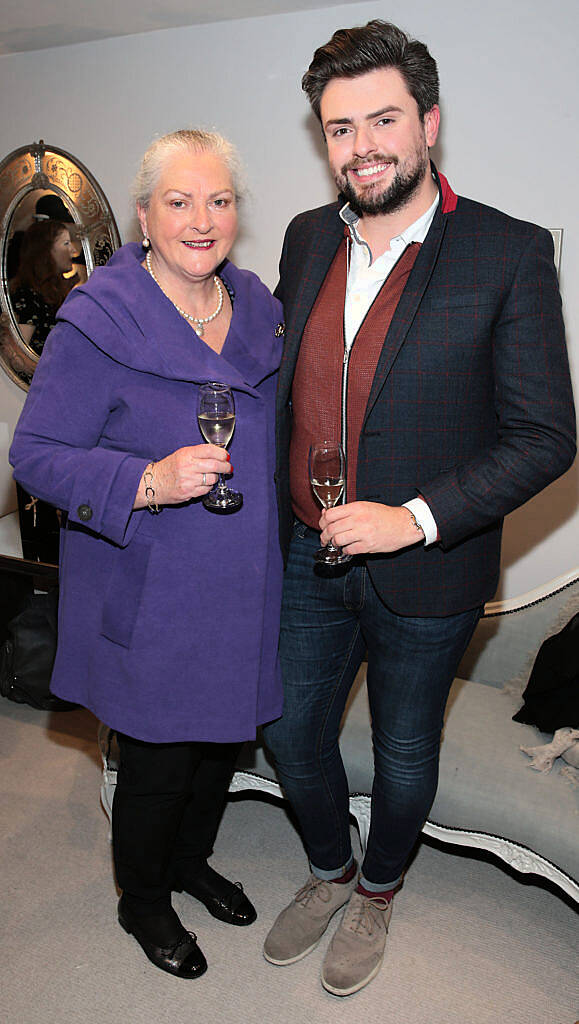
(317, 386)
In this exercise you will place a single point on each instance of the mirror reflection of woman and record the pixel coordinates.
(169, 614)
(39, 288)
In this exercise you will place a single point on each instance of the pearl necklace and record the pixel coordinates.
(197, 321)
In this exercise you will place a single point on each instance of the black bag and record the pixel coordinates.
(28, 652)
(551, 699)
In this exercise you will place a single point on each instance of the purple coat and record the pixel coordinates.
(168, 624)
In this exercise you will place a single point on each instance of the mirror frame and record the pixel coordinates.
(40, 166)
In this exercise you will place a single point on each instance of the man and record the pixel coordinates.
(424, 331)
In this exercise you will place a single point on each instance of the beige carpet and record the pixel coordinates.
(468, 943)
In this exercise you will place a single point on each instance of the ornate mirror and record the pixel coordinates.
(56, 226)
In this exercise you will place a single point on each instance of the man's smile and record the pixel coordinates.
(368, 171)
(365, 172)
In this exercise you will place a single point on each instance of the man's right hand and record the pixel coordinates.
(367, 527)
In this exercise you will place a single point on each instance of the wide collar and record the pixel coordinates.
(125, 314)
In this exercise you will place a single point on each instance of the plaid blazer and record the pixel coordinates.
(471, 404)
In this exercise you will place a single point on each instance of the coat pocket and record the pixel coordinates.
(123, 597)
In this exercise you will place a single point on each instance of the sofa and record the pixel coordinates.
(489, 797)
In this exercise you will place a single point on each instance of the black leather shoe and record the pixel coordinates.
(225, 900)
(184, 959)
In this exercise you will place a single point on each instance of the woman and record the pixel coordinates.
(39, 287)
(168, 622)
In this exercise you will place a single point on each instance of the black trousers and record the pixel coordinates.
(168, 803)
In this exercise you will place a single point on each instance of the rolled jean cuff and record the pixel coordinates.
(379, 886)
(327, 876)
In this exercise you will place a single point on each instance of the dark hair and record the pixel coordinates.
(379, 44)
(51, 207)
(37, 269)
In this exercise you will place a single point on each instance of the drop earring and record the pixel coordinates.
(146, 243)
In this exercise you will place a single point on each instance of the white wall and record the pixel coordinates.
(509, 138)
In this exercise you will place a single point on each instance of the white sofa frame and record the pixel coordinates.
(498, 659)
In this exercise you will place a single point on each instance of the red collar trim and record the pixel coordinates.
(449, 199)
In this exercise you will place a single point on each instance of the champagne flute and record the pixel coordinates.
(327, 468)
(216, 419)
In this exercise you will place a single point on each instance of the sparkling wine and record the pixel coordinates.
(328, 492)
(327, 472)
(217, 429)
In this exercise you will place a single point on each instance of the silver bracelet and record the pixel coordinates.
(415, 520)
(150, 490)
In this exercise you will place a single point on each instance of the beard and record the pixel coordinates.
(399, 192)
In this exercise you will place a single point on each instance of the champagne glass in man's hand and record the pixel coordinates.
(216, 418)
(327, 468)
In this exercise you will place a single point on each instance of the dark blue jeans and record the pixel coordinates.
(328, 623)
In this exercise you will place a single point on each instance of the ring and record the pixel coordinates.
(204, 478)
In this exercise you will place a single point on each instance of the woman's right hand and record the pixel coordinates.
(187, 473)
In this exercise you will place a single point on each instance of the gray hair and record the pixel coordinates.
(196, 140)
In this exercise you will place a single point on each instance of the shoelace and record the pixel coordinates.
(315, 888)
(360, 912)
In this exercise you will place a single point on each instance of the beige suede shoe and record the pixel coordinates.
(299, 927)
(356, 951)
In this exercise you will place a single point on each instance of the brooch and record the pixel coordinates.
(280, 329)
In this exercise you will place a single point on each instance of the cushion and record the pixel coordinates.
(485, 783)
